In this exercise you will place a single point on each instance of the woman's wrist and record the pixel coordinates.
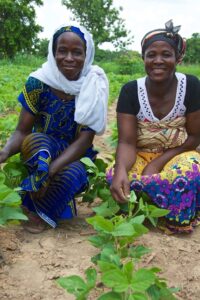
(4, 155)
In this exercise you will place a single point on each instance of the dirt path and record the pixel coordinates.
(31, 263)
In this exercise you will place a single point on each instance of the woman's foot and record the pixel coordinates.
(34, 224)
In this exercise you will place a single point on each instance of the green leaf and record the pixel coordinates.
(4, 191)
(140, 229)
(128, 270)
(141, 204)
(124, 229)
(91, 276)
(138, 296)
(115, 279)
(12, 198)
(142, 280)
(100, 223)
(155, 270)
(101, 165)
(137, 220)
(158, 212)
(133, 197)
(111, 296)
(11, 213)
(104, 194)
(97, 241)
(105, 210)
(138, 251)
(2, 177)
(95, 258)
(73, 284)
(109, 254)
(165, 294)
(88, 162)
(152, 220)
(105, 266)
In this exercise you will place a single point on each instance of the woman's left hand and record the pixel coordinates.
(151, 169)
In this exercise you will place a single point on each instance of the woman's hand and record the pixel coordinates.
(120, 187)
(151, 168)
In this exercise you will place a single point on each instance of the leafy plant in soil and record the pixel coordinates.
(11, 174)
(116, 264)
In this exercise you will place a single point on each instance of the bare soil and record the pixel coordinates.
(29, 264)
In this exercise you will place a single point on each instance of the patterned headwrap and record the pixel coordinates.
(169, 35)
(63, 29)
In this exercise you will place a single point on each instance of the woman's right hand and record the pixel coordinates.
(120, 187)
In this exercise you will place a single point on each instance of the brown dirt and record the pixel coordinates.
(30, 263)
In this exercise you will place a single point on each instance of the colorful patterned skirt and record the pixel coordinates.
(176, 188)
(38, 150)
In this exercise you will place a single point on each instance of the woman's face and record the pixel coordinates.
(70, 55)
(160, 61)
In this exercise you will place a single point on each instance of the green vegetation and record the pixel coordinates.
(116, 264)
(13, 74)
(18, 27)
(192, 50)
(11, 174)
(102, 19)
(120, 67)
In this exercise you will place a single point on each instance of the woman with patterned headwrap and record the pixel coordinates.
(64, 104)
(159, 130)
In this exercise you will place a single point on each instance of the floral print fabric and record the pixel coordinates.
(176, 188)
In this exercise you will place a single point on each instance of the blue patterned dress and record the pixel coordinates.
(54, 130)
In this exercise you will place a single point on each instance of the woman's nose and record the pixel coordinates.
(158, 59)
(69, 56)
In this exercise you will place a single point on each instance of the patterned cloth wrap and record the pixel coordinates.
(177, 187)
(53, 132)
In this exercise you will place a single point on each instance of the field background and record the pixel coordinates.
(31, 263)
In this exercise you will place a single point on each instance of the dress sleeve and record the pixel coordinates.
(29, 97)
(128, 102)
(192, 97)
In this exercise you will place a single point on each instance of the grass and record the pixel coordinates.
(189, 69)
(13, 75)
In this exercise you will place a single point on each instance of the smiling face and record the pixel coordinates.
(70, 55)
(160, 61)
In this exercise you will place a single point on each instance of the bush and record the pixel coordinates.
(130, 62)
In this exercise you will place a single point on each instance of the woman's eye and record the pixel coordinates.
(77, 52)
(61, 50)
(167, 54)
(150, 55)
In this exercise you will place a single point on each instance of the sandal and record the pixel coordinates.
(35, 224)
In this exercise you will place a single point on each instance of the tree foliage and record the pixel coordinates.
(193, 49)
(18, 28)
(102, 20)
(42, 47)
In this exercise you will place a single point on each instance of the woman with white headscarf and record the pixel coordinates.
(64, 104)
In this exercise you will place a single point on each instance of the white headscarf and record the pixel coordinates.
(90, 90)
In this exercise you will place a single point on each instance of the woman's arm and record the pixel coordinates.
(24, 127)
(125, 155)
(74, 152)
(191, 143)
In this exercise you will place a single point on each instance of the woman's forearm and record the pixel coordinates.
(125, 156)
(13, 145)
(74, 152)
(190, 144)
